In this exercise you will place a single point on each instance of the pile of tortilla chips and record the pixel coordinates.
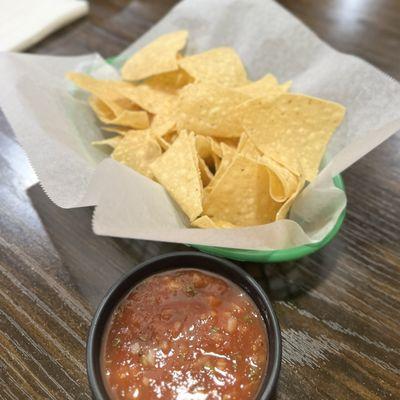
(230, 151)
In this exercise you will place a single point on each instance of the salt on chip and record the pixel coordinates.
(221, 66)
(157, 57)
(206, 222)
(293, 129)
(178, 171)
(137, 151)
(210, 110)
(283, 211)
(240, 196)
(112, 142)
(267, 86)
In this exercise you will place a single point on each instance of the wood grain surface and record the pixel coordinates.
(339, 309)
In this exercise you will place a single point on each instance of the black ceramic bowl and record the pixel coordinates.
(175, 261)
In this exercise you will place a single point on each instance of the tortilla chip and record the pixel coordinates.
(156, 58)
(203, 146)
(170, 137)
(169, 82)
(210, 110)
(241, 196)
(283, 183)
(206, 146)
(99, 87)
(216, 146)
(112, 142)
(267, 86)
(221, 66)
(247, 147)
(105, 90)
(123, 117)
(217, 161)
(163, 143)
(233, 142)
(178, 171)
(164, 129)
(206, 222)
(163, 132)
(150, 99)
(205, 173)
(283, 211)
(132, 119)
(221, 165)
(227, 151)
(293, 130)
(159, 120)
(210, 151)
(138, 151)
(101, 109)
(121, 130)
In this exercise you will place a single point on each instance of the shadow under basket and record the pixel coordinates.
(275, 256)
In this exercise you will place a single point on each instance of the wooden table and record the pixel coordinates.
(339, 309)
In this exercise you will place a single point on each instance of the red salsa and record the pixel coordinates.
(185, 335)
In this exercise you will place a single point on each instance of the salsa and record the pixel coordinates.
(186, 335)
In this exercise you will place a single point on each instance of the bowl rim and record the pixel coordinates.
(145, 269)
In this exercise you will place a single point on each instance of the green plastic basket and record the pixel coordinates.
(275, 256)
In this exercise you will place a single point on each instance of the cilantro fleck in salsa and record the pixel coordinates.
(186, 335)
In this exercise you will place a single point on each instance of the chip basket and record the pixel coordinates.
(274, 256)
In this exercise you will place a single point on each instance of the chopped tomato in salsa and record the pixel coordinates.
(185, 334)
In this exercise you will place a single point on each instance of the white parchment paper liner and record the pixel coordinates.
(55, 126)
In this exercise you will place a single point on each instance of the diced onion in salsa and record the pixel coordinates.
(186, 335)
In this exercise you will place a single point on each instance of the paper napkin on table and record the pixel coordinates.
(26, 22)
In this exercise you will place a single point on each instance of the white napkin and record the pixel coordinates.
(25, 22)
